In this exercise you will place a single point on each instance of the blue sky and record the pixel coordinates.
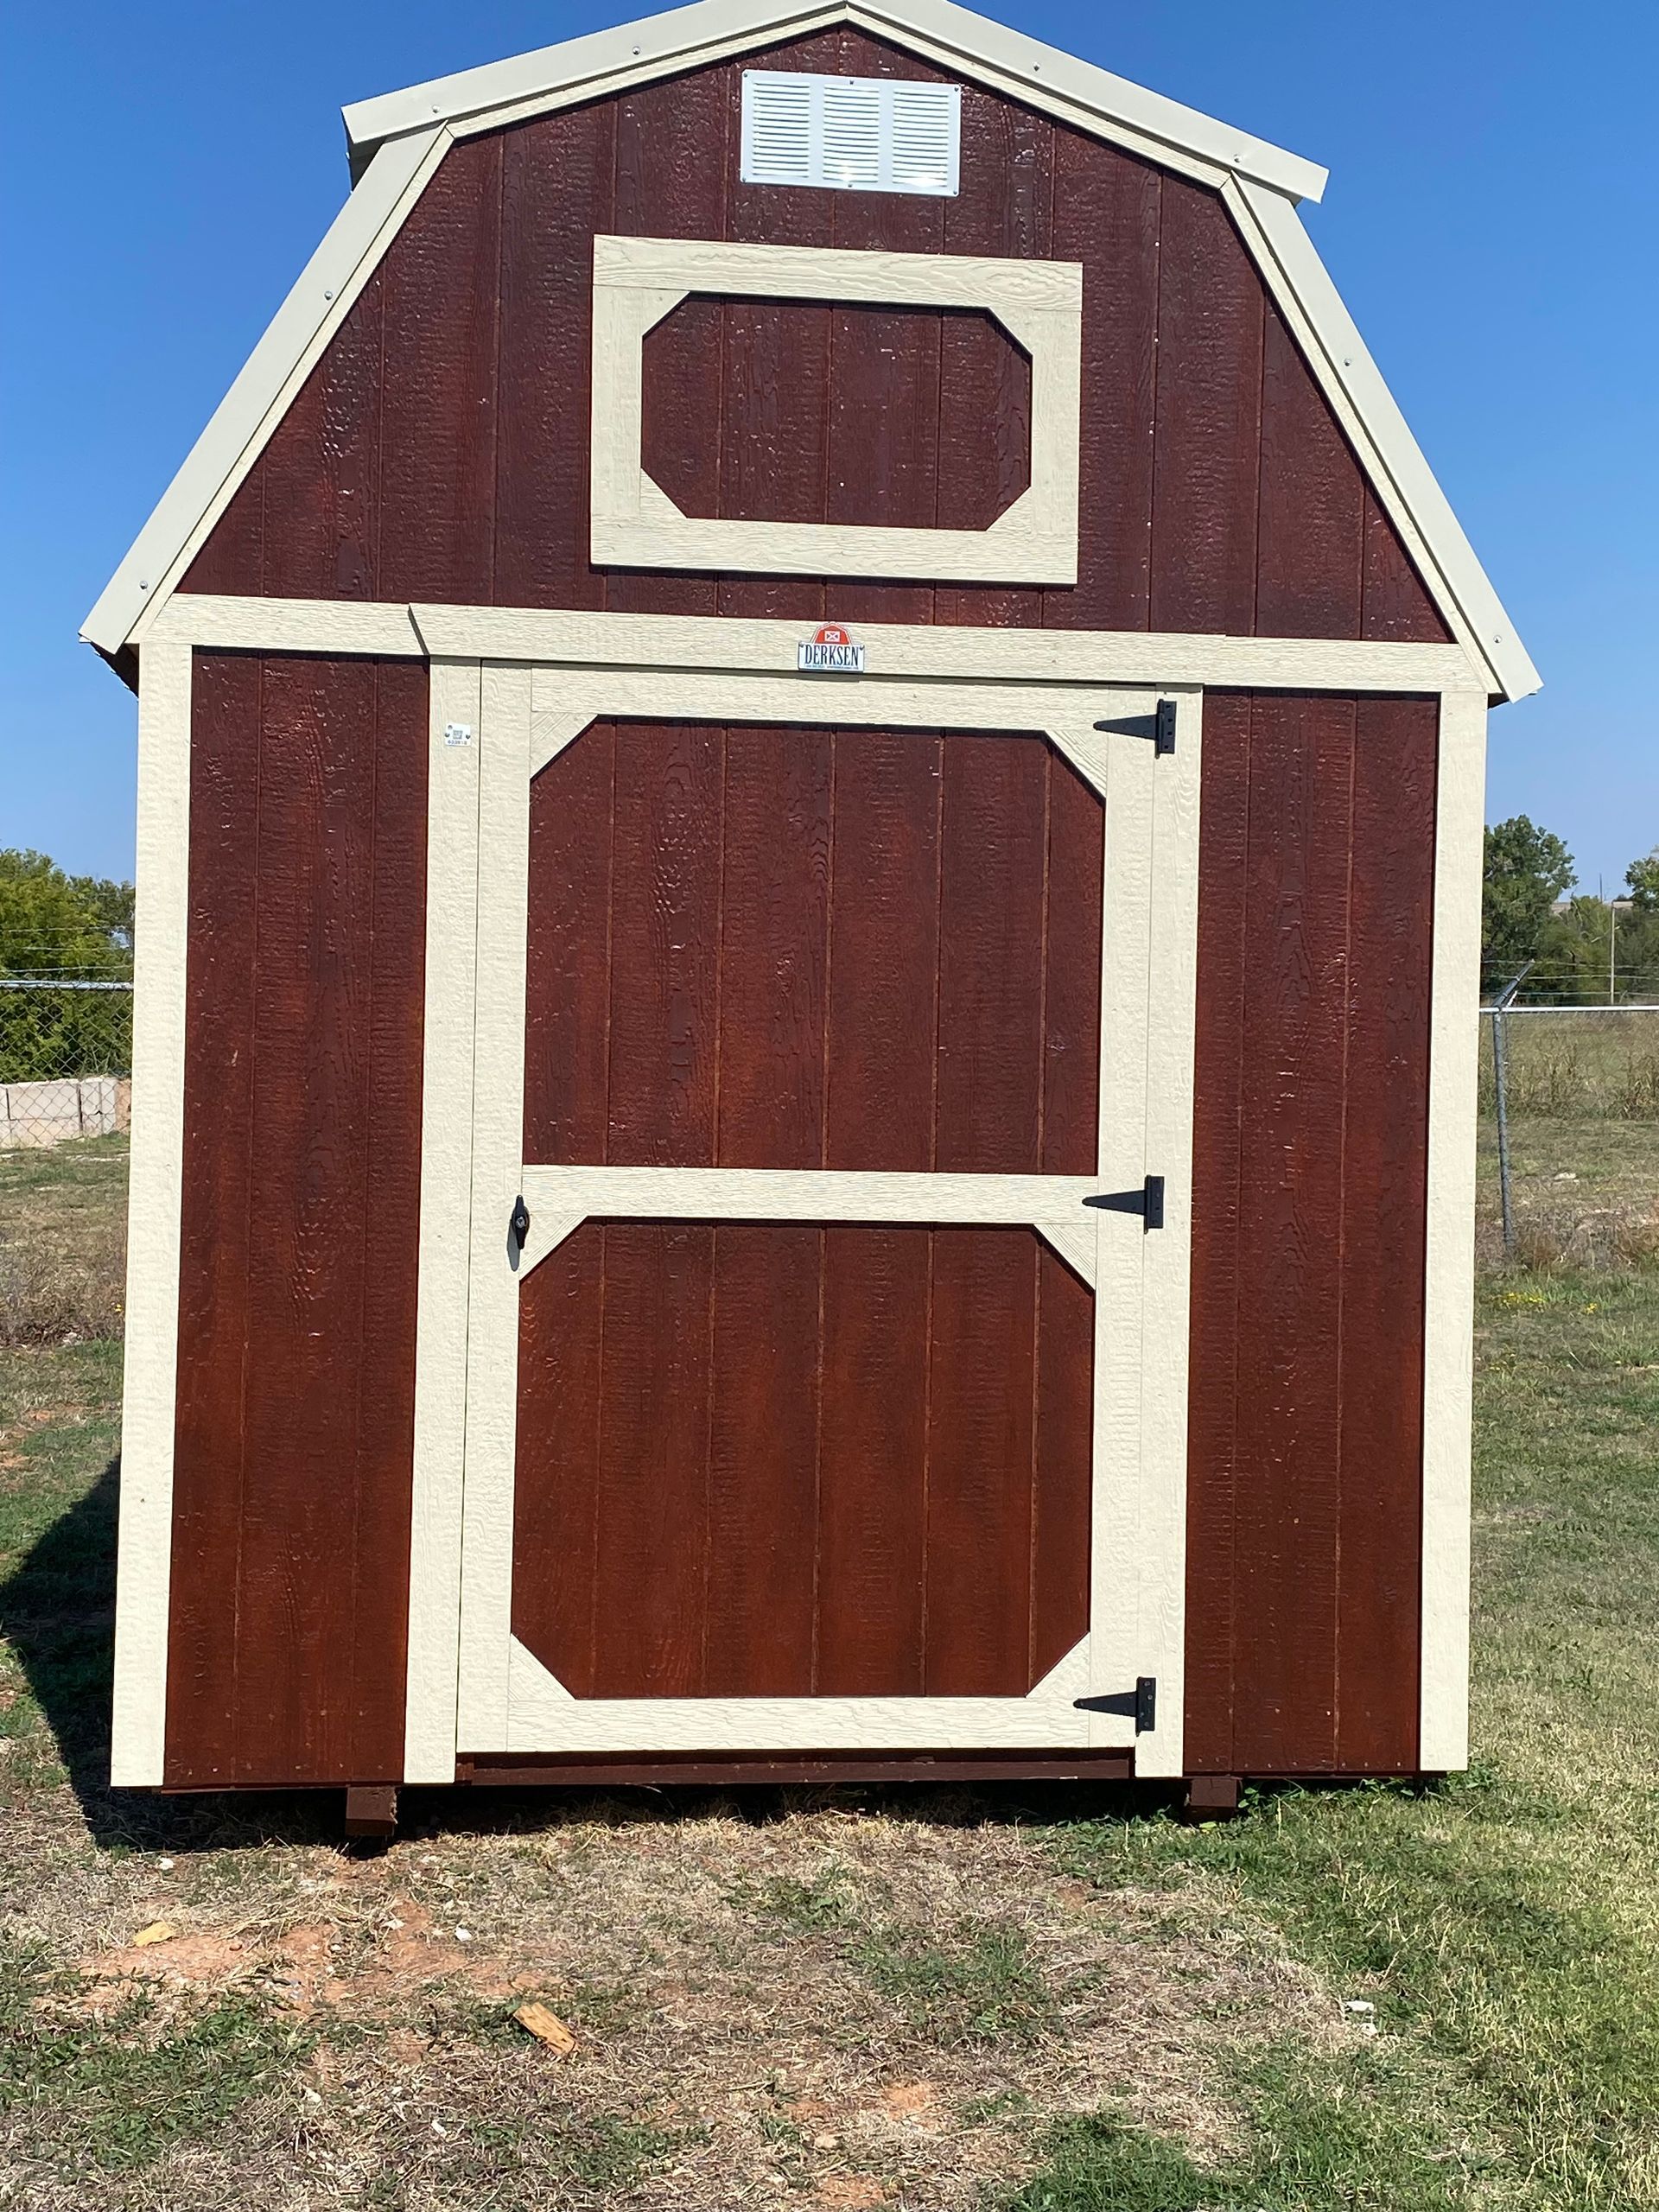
(1491, 219)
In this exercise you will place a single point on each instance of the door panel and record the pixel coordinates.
(833, 1394)
(799, 947)
(768, 1461)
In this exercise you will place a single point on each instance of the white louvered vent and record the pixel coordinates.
(854, 134)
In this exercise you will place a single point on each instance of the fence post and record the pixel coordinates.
(1501, 1086)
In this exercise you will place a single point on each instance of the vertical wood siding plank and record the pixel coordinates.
(1292, 1227)
(1072, 924)
(385, 1367)
(444, 1166)
(1309, 546)
(321, 504)
(441, 278)
(650, 1584)
(773, 947)
(758, 1623)
(1394, 602)
(1208, 400)
(558, 179)
(992, 865)
(307, 1219)
(555, 1493)
(232, 561)
(1384, 1173)
(980, 1463)
(1063, 1460)
(682, 370)
(1226, 960)
(670, 183)
(567, 983)
(665, 945)
(1107, 215)
(883, 951)
(209, 1465)
(872, 1458)
(1004, 207)
(774, 429)
(884, 381)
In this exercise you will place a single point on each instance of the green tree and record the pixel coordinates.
(1527, 870)
(1642, 877)
(51, 923)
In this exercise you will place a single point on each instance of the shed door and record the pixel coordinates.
(832, 1394)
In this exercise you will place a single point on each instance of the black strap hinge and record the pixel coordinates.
(1148, 1201)
(1162, 732)
(1139, 1704)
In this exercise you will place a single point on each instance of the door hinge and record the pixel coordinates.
(1148, 1201)
(1162, 732)
(1139, 1704)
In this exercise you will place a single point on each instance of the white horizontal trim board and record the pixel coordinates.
(543, 1716)
(651, 643)
(638, 282)
(989, 52)
(560, 1198)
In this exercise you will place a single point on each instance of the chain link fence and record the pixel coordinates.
(66, 1059)
(1568, 1165)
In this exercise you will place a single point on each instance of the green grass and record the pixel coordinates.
(1505, 1925)
(119, 2095)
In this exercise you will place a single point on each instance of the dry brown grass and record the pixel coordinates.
(63, 1243)
(834, 2006)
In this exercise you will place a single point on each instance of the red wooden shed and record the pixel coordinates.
(810, 831)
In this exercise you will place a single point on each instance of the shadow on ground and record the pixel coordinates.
(57, 1613)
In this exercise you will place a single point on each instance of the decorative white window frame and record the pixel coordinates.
(637, 282)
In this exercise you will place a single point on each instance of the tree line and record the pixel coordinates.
(1577, 949)
(52, 924)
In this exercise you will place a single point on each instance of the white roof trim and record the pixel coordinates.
(954, 35)
(1402, 479)
(405, 134)
(244, 419)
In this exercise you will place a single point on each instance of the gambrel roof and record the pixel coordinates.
(397, 141)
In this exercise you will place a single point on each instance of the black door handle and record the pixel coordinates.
(519, 1221)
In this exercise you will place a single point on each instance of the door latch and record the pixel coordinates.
(519, 1221)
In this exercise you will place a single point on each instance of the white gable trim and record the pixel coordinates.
(1403, 481)
(406, 135)
(954, 36)
(269, 381)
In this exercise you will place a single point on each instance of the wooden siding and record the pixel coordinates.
(439, 451)
(801, 370)
(763, 1460)
(1310, 1153)
(301, 1141)
(807, 948)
